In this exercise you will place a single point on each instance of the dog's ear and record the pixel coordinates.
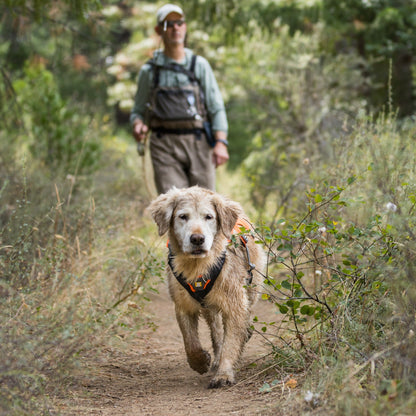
(161, 209)
(228, 213)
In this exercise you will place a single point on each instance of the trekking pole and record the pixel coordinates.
(141, 147)
(141, 150)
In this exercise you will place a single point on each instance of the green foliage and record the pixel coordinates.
(74, 45)
(39, 8)
(384, 32)
(386, 26)
(340, 258)
(58, 135)
(296, 105)
(232, 18)
(342, 275)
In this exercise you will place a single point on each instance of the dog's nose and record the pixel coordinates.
(197, 239)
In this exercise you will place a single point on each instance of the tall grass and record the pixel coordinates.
(71, 261)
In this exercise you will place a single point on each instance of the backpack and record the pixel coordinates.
(176, 108)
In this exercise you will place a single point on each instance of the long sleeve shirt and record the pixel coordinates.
(203, 72)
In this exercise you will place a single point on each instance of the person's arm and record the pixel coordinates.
(216, 110)
(220, 154)
(137, 115)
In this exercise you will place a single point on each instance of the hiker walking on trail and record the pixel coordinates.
(178, 99)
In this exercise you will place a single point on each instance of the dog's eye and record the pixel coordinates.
(209, 217)
(183, 217)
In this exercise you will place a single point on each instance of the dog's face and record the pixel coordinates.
(194, 217)
(195, 226)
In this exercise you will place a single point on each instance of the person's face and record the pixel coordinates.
(172, 29)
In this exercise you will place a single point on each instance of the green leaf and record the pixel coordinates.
(283, 309)
(307, 310)
(304, 310)
(298, 292)
(294, 304)
(265, 388)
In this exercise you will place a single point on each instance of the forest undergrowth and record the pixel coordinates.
(78, 259)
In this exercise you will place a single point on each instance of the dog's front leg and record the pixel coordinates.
(214, 321)
(235, 336)
(198, 359)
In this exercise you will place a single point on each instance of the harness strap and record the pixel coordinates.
(190, 73)
(203, 285)
(251, 266)
(243, 224)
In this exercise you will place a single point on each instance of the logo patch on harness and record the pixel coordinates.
(200, 284)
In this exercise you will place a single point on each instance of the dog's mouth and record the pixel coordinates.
(198, 252)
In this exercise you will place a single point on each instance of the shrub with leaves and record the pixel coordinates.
(296, 102)
(342, 276)
(325, 260)
(59, 135)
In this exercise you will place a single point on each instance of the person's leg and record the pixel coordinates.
(169, 165)
(202, 168)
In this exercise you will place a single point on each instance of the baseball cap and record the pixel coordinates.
(167, 9)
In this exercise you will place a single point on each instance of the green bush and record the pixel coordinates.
(292, 102)
(342, 275)
(58, 135)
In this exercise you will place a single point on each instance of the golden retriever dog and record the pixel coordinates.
(210, 275)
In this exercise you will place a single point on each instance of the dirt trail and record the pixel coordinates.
(153, 377)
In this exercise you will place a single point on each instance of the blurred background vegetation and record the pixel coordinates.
(320, 96)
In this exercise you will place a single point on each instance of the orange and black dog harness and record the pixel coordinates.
(200, 288)
(203, 285)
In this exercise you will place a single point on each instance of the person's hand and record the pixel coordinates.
(140, 130)
(220, 154)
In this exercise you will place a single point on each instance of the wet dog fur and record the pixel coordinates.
(199, 223)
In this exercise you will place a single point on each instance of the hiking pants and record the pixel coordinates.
(181, 160)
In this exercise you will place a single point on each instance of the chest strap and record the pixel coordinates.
(203, 285)
(190, 73)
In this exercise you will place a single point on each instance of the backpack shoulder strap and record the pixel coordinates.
(156, 71)
(193, 62)
(190, 73)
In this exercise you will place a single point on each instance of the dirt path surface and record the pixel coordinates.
(153, 377)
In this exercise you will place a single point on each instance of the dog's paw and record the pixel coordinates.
(221, 381)
(200, 361)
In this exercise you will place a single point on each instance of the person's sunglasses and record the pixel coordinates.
(172, 23)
